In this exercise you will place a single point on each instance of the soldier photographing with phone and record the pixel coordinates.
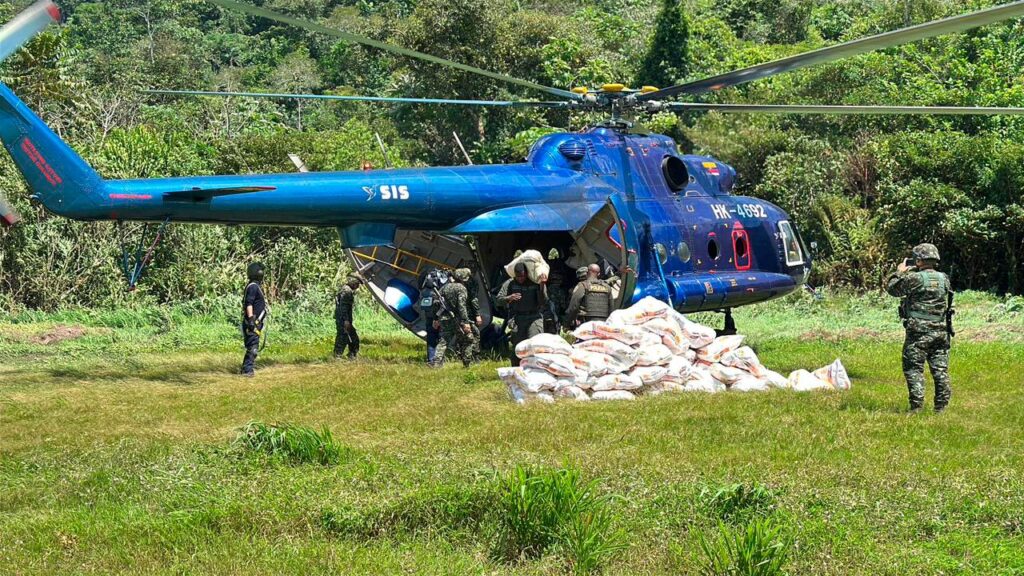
(927, 313)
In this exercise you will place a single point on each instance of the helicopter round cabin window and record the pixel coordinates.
(662, 252)
(741, 247)
(683, 250)
(713, 248)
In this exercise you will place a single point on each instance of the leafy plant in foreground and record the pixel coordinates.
(544, 511)
(759, 548)
(296, 444)
(734, 502)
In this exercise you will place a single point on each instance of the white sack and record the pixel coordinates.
(629, 335)
(680, 367)
(804, 381)
(749, 383)
(574, 392)
(617, 382)
(593, 363)
(726, 374)
(664, 387)
(649, 339)
(835, 374)
(535, 265)
(613, 395)
(654, 355)
(669, 332)
(556, 364)
(623, 354)
(587, 330)
(776, 380)
(698, 335)
(543, 344)
(529, 380)
(649, 374)
(719, 347)
(545, 397)
(644, 310)
(701, 381)
(744, 358)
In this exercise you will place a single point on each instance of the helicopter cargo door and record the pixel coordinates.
(610, 235)
(395, 272)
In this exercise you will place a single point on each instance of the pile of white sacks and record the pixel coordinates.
(649, 349)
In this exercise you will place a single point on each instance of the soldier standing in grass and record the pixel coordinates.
(254, 312)
(473, 307)
(454, 321)
(346, 335)
(525, 301)
(926, 310)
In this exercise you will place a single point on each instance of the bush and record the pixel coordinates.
(738, 501)
(544, 511)
(760, 548)
(294, 444)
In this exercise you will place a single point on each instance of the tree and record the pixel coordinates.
(667, 58)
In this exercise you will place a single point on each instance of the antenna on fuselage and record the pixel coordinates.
(299, 164)
(463, 148)
(383, 150)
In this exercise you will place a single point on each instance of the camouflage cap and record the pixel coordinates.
(462, 275)
(926, 252)
(581, 273)
(353, 279)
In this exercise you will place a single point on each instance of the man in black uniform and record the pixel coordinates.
(254, 312)
(525, 301)
(345, 330)
(591, 299)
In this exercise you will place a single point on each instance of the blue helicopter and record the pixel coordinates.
(666, 223)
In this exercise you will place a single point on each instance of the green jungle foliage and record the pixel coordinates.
(864, 189)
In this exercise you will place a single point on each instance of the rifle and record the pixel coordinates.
(949, 315)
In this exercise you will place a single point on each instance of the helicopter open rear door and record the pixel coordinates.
(610, 235)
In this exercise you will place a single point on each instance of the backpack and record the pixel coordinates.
(431, 291)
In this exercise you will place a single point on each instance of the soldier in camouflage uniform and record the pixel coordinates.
(346, 335)
(926, 310)
(455, 323)
(591, 299)
(525, 301)
(473, 307)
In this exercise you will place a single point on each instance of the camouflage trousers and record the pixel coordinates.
(461, 345)
(524, 328)
(931, 346)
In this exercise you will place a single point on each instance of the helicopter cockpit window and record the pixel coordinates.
(662, 252)
(683, 251)
(675, 173)
(790, 244)
(614, 235)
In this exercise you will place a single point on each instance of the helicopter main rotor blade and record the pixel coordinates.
(314, 27)
(861, 110)
(494, 103)
(844, 50)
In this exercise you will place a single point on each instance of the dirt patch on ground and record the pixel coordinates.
(993, 333)
(59, 334)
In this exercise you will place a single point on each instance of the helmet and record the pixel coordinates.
(353, 279)
(462, 275)
(255, 272)
(581, 272)
(926, 252)
(520, 268)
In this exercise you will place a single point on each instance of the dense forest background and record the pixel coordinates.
(864, 189)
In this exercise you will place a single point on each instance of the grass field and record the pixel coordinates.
(118, 453)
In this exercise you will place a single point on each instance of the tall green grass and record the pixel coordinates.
(758, 548)
(738, 502)
(295, 444)
(556, 511)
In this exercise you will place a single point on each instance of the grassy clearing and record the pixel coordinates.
(116, 453)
